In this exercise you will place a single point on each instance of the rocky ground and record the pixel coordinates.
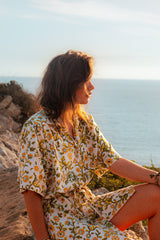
(14, 223)
(13, 215)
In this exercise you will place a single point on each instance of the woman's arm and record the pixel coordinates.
(132, 171)
(36, 215)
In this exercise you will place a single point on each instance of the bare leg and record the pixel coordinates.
(145, 203)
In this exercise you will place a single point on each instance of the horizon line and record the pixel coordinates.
(100, 78)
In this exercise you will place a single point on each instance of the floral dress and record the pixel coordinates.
(59, 167)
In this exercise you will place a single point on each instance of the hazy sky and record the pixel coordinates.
(122, 35)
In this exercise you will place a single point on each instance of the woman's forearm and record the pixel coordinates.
(132, 171)
(36, 215)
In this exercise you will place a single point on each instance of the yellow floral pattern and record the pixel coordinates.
(59, 167)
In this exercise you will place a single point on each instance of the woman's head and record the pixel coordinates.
(64, 75)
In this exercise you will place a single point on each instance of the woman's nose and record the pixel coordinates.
(91, 86)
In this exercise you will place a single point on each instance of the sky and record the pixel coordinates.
(122, 35)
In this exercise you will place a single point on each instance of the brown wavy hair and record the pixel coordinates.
(61, 79)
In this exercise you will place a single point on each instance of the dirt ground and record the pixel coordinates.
(14, 224)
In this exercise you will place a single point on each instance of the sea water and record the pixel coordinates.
(127, 112)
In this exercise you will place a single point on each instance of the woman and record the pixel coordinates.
(61, 148)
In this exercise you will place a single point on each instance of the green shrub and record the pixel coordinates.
(112, 182)
(25, 100)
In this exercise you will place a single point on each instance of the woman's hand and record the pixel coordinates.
(156, 178)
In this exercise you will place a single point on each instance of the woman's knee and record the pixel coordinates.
(151, 192)
(155, 194)
(143, 204)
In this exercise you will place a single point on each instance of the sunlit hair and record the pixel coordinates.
(62, 77)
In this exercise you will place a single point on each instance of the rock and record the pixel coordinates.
(14, 223)
(13, 110)
(5, 102)
(132, 235)
(7, 123)
(8, 111)
(8, 149)
(16, 127)
(140, 231)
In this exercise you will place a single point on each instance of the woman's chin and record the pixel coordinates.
(86, 101)
(83, 101)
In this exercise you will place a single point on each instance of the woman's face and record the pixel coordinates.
(84, 92)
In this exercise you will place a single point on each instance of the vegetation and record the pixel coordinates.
(25, 100)
(112, 182)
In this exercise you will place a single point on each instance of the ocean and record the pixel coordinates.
(127, 112)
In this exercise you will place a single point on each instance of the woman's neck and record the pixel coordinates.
(67, 116)
(66, 121)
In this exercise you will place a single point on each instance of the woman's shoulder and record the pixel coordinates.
(36, 119)
(89, 121)
(90, 118)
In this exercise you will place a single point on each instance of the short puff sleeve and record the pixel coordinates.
(106, 155)
(31, 174)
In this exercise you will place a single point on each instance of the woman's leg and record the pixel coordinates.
(145, 203)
